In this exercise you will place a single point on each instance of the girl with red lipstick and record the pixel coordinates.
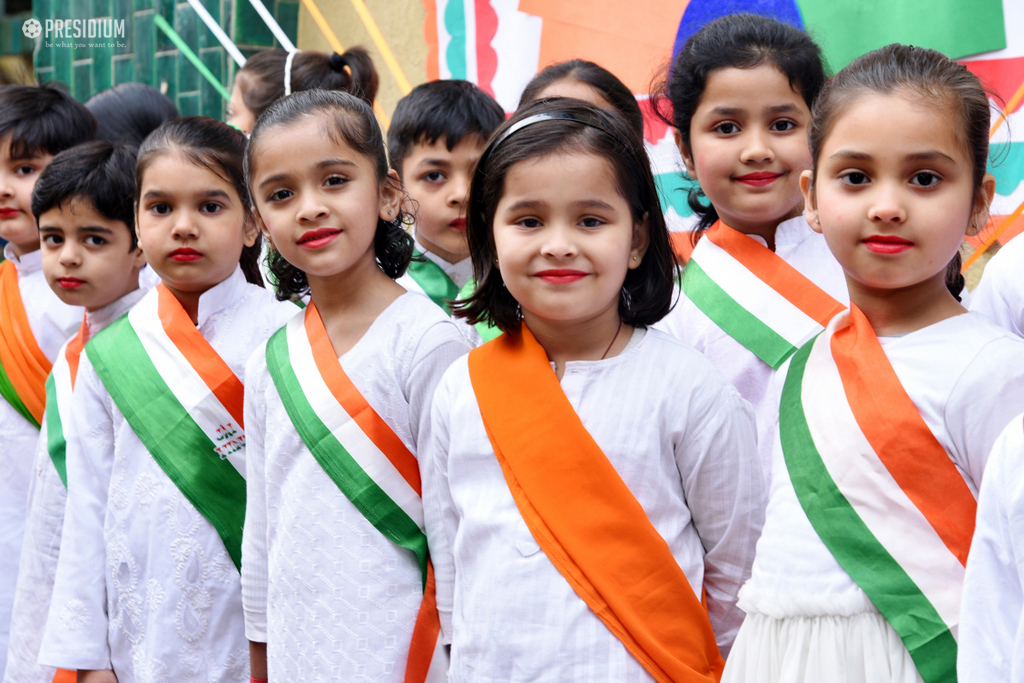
(888, 416)
(337, 583)
(147, 583)
(581, 454)
(760, 282)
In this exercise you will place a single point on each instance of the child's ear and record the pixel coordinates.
(641, 240)
(262, 228)
(982, 204)
(810, 200)
(251, 230)
(140, 258)
(391, 196)
(687, 157)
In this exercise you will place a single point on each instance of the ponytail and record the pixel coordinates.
(352, 72)
(955, 281)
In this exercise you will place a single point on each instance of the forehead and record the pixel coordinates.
(301, 144)
(749, 89)
(576, 89)
(176, 172)
(562, 178)
(78, 212)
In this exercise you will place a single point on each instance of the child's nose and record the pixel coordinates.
(758, 148)
(887, 207)
(559, 242)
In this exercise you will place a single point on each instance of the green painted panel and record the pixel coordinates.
(102, 67)
(144, 45)
(81, 85)
(166, 80)
(124, 69)
(189, 105)
(211, 102)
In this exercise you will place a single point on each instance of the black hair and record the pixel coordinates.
(43, 119)
(935, 78)
(741, 41)
(101, 172)
(452, 110)
(263, 75)
(127, 113)
(348, 120)
(597, 77)
(647, 291)
(212, 145)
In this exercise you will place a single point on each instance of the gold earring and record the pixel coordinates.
(634, 258)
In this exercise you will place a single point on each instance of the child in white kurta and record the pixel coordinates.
(679, 436)
(332, 597)
(992, 613)
(41, 547)
(144, 583)
(1000, 294)
(965, 376)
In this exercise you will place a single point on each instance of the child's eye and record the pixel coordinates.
(279, 195)
(25, 170)
(591, 222)
(529, 222)
(434, 177)
(335, 181)
(94, 241)
(160, 209)
(925, 179)
(727, 128)
(53, 240)
(783, 126)
(854, 178)
(211, 207)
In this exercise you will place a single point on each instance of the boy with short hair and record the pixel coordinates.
(36, 123)
(436, 136)
(83, 203)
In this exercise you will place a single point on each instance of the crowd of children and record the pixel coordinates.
(284, 401)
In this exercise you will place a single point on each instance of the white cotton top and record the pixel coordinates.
(682, 440)
(41, 546)
(806, 251)
(52, 322)
(965, 375)
(460, 273)
(1000, 294)
(332, 597)
(144, 585)
(992, 610)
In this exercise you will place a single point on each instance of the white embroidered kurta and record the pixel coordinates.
(965, 376)
(53, 322)
(992, 611)
(144, 584)
(805, 250)
(682, 440)
(460, 273)
(332, 597)
(41, 546)
(1000, 294)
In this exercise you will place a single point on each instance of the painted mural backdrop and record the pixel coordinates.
(501, 44)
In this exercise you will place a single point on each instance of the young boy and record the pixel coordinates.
(436, 136)
(91, 258)
(35, 124)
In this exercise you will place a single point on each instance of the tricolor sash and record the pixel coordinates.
(585, 518)
(432, 279)
(60, 386)
(23, 365)
(183, 402)
(365, 459)
(757, 298)
(879, 489)
(486, 331)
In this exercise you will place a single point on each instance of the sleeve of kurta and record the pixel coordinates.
(1000, 294)
(436, 349)
(254, 535)
(39, 552)
(76, 628)
(992, 600)
(724, 489)
(438, 507)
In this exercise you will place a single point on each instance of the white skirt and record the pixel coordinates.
(858, 648)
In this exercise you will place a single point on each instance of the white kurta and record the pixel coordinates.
(965, 376)
(1000, 294)
(460, 273)
(144, 584)
(41, 547)
(992, 612)
(53, 322)
(332, 597)
(682, 440)
(806, 251)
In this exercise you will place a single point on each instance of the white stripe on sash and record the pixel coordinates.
(869, 487)
(185, 383)
(62, 385)
(376, 465)
(410, 284)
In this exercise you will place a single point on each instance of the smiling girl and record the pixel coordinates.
(147, 583)
(337, 583)
(580, 455)
(888, 416)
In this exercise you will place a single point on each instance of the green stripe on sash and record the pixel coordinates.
(8, 392)
(433, 280)
(55, 443)
(736, 321)
(172, 437)
(852, 544)
(378, 508)
(486, 331)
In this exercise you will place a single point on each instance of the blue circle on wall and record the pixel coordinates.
(700, 12)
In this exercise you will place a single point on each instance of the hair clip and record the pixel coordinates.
(577, 117)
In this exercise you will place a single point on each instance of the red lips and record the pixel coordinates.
(458, 224)
(70, 282)
(759, 179)
(887, 244)
(185, 255)
(7, 212)
(561, 276)
(315, 239)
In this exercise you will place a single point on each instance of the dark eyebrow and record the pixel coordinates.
(727, 111)
(782, 108)
(526, 204)
(594, 204)
(434, 162)
(97, 228)
(930, 156)
(154, 193)
(220, 194)
(850, 154)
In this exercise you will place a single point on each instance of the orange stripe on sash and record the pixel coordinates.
(776, 273)
(65, 676)
(585, 518)
(26, 365)
(73, 351)
(355, 405)
(425, 633)
(201, 356)
(898, 434)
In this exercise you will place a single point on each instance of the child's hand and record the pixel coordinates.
(102, 676)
